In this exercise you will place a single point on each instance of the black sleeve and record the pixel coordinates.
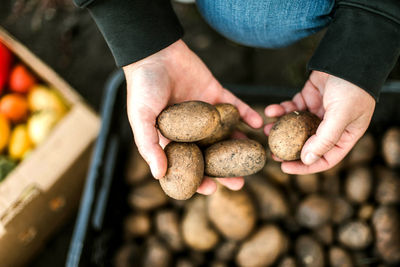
(362, 44)
(134, 29)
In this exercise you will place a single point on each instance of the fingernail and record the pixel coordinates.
(154, 171)
(310, 158)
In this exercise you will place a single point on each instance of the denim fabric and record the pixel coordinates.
(266, 23)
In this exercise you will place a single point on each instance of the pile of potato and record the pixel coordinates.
(347, 216)
(193, 125)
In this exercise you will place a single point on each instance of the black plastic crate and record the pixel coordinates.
(99, 225)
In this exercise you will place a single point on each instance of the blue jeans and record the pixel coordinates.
(266, 23)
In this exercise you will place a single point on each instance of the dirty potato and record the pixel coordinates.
(391, 147)
(232, 212)
(233, 158)
(363, 151)
(290, 132)
(263, 248)
(388, 189)
(188, 121)
(147, 196)
(355, 235)
(229, 118)
(341, 210)
(271, 202)
(196, 230)
(314, 211)
(185, 170)
(386, 222)
(309, 252)
(168, 228)
(339, 257)
(358, 184)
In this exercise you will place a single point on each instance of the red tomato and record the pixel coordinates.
(5, 65)
(14, 107)
(21, 79)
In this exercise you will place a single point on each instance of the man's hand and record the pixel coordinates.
(346, 111)
(173, 75)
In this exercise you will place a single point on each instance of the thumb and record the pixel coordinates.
(326, 137)
(147, 140)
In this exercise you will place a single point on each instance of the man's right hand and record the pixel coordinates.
(172, 75)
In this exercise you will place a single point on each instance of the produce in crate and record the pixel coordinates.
(263, 248)
(21, 79)
(196, 228)
(233, 213)
(391, 147)
(290, 132)
(343, 217)
(28, 110)
(6, 58)
(4, 132)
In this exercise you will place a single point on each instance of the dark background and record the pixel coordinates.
(67, 39)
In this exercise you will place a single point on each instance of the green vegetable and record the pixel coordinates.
(6, 166)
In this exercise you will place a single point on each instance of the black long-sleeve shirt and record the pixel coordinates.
(362, 43)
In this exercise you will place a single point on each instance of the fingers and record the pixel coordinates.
(327, 136)
(207, 187)
(234, 183)
(329, 160)
(147, 140)
(274, 110)
(250, 116)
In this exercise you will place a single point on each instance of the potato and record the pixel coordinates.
(307, 183)
(342, 210)
(386, 222)
(309, 252)
(290, 132)
(196, 230)
(147, 196)
(331, 184)
(339, 257)
(358, 184)
(184, 263)
(126, 256)
(185, 170)
(363, 151)
(137, 170)
(391, 147)
(274, 172)
(287, 262)
(365, 211)
(314, 211)
(229, 118)
(137, 224)
(271, 203)
(188, 121)
(324, 234)
(168, 228)
(233, 158)
(355, 235)
(226, 250)
(232, 212)
(388, 189)
(263, 248)
(156, 255)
